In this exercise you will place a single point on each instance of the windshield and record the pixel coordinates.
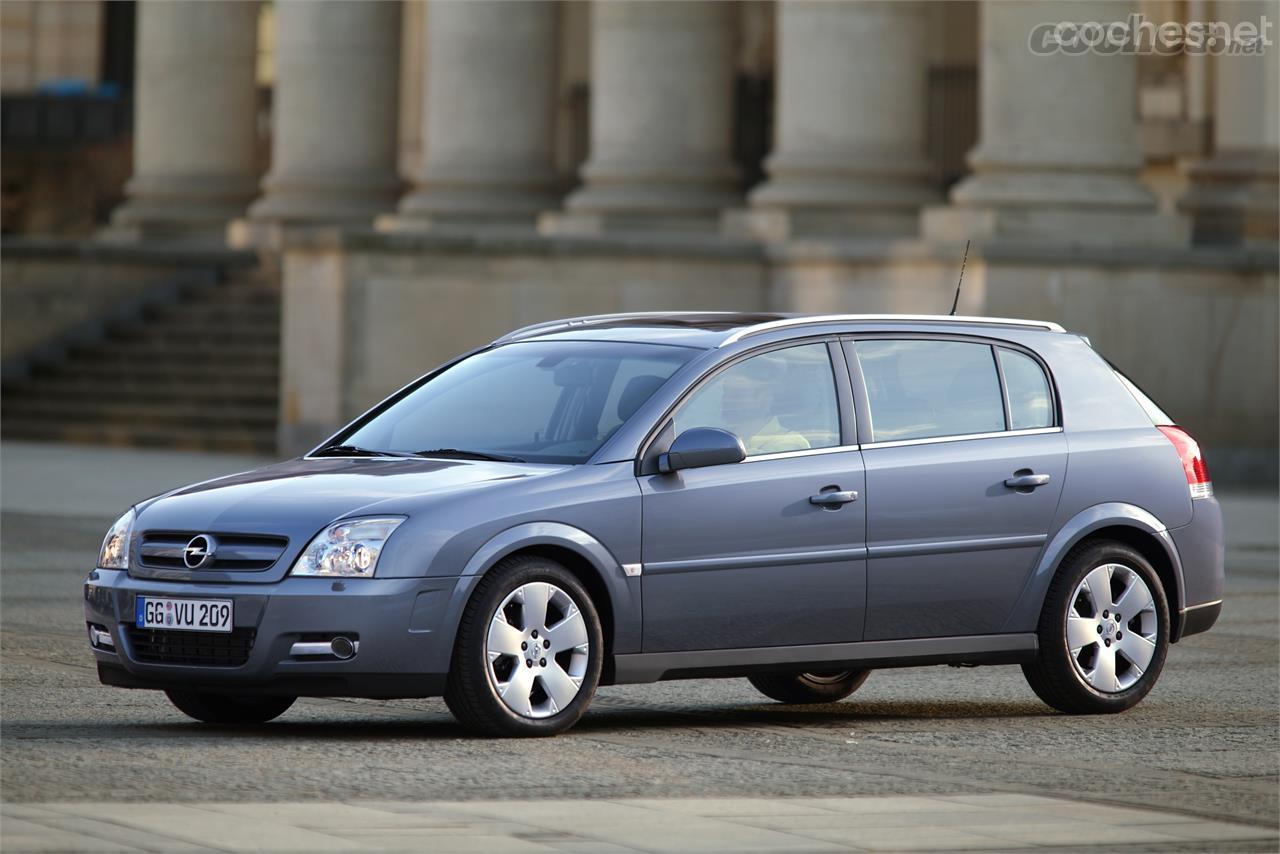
(545, 402)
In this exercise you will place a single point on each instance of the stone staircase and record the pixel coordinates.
(198, 372)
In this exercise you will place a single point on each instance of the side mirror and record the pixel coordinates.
(702, 446)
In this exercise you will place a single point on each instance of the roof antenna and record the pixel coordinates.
(955, 302)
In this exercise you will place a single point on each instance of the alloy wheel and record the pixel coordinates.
(537, 650)
(1112, 628)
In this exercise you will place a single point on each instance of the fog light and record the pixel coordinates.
(100, 638)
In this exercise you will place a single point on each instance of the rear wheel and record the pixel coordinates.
(528, 653)
(803, 688)
(229, 708)
(1104, 631)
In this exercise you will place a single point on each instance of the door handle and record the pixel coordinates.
(832, 500)
(1026, 481)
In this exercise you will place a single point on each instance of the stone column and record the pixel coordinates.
(661, 118)
(487, 118)
(1058, 155)
(848, 153)
(194, 122)
(1233, 194)
(336, 106)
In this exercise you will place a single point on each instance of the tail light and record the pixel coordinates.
(1193, 464)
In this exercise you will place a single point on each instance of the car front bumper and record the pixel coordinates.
(404, 628)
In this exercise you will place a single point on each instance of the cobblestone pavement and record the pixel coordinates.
(706, 764)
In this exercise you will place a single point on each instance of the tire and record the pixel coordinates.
(806, 688)
(229, 708)
(518, 694)
(1077, 639)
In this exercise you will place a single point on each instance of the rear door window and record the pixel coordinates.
(923, 389)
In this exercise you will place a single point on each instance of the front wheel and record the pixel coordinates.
(229, 708)
(1104, 631)
(805, 688)
(528, 653)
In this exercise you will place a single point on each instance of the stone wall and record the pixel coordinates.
(366, 313)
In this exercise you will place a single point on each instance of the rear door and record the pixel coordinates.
(965, 461)
(737, 555)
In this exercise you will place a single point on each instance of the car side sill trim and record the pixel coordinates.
(744, 561)
(972, 649)
(978, 544)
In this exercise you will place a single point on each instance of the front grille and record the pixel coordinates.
(199, 649)
(242, 552)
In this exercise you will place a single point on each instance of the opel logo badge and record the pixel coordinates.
(199, 552)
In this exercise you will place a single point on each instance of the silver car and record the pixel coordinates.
(799, 500)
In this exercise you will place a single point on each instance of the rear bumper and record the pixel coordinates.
(1200, 618)
(404, 627)
(1202, 552)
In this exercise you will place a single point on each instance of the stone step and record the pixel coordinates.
(227, 294)
(163, 374)
(249, 441)
(73, 410)
(133, 352)
(129, 389)
(200, 372)
(175, 334)
(186, 315)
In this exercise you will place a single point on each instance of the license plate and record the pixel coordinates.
(193, 615)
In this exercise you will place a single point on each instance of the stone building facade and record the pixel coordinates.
(441, 171)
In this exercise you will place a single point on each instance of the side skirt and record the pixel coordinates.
(973, 649)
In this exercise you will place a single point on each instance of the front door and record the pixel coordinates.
(964, 470)
(738, 555)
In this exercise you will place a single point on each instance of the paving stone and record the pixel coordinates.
(212, 829)
(116, 834)
(17, 834)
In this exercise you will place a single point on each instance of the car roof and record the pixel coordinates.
(711, 329)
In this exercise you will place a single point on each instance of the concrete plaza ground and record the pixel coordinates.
(922, 759)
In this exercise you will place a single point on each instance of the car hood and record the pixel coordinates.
(298, 497)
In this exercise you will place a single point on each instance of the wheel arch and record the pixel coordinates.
(1125, 523)
(615, 594)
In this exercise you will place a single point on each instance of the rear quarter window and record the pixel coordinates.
(1030, 401)
(1149, 406)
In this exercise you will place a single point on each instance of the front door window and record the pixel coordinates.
(783, 400)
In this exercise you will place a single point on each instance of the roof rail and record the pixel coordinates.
(592, 319)
(814, 319)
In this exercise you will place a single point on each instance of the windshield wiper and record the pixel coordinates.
(357, 451)
(470, 455)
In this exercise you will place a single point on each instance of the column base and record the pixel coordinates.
(552, 223)
(843, 194)
(179, 208)
(351, 199)
(153, 227)
(470, 208)
(319, 209)
(778, 224)
(1232, 200)
(1063, 226)
(647, 196)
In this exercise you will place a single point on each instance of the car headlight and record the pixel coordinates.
(349, 548)
(114, 553)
